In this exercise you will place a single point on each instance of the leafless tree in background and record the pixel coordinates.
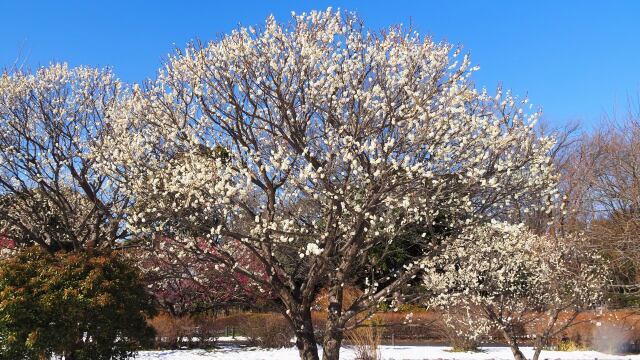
(601, 185)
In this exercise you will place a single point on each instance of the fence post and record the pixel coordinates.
(393, 339)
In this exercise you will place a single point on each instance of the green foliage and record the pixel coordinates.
(74, 304)
(386, 258)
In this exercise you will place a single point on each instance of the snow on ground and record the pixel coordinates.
(388, 353)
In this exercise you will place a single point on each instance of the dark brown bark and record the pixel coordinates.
(536, 354)
(515, 349)
(331, 348)
(333, 336)
(513, 344)
(305, 337)
(334, 330)
(307, 347)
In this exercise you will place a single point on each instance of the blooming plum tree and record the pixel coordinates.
(50, 193)
(503, 277)
(311, 144)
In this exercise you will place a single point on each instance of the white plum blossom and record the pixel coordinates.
(314, 146)
(504, 277)
(50, 192)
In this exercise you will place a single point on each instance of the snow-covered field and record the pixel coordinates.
(388, 353)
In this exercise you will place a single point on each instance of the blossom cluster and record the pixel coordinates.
(501, 275)
(336, 137)
(50, 193)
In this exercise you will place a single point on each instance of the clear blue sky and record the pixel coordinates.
(576, 59)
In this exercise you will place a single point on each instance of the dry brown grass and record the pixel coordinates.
(184, 331)
(609, 331)
(270, 330)
(172, 332)
(350, 294)
(366, 340)
(419, 324)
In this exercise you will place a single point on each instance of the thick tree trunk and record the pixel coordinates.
(332, 342)
(333, 333)
(536, 354)
(305, 338)
(306, 344)
(513, 344)
(517, 354)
